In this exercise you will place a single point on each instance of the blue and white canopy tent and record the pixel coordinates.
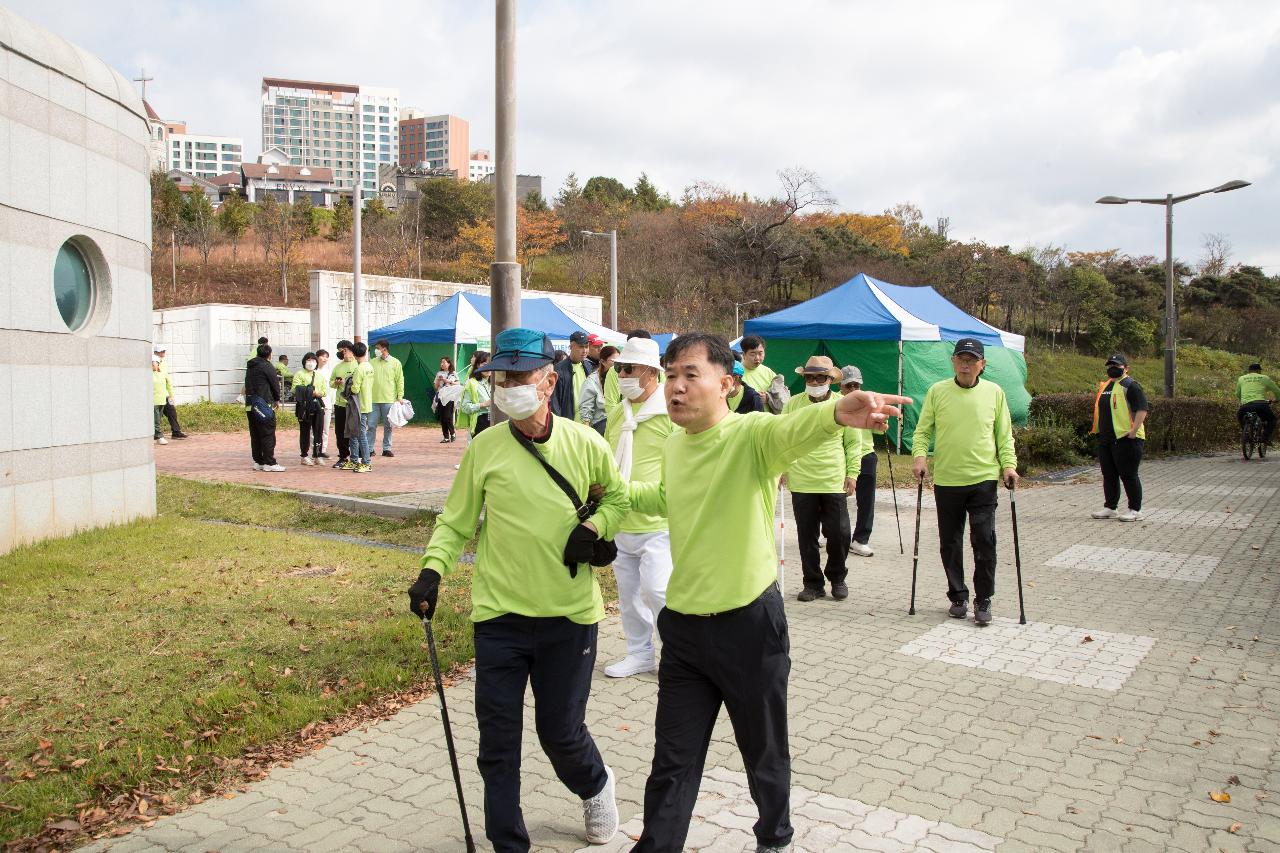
(459, 326)
(899, 337)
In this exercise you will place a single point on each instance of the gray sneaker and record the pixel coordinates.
(982, 612)
(601, 813)
(777, 848)
(958, 609)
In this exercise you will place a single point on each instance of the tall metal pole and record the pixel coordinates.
(504, 273)
(1170, 311)
(357, 202)
(613, 278)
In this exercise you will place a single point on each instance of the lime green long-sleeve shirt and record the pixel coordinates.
(341, 371)
(362, 384)
(971, 432)
(161, 386)
(612, 392)
(647, 446)
(822, 470)
(718, 491)
(1253, 387)
(388, 379)
(759, 377)
(519, 558)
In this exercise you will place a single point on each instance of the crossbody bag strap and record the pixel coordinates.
(584, 511)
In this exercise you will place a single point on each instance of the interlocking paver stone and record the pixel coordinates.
(1136, 562)
(1092, 747)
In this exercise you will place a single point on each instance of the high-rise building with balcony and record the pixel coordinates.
(441, 141)
(316, 125)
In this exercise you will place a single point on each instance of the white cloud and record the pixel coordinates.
(1010, 118)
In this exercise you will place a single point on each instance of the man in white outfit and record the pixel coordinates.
(637, 428)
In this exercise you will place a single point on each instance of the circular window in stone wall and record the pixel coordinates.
(73, 285)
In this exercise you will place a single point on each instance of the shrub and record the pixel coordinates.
(1048, 441)
(226, 417)
(1180, 425)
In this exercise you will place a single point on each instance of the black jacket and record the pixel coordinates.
(751, 400)
(261, 380)
(562, 397)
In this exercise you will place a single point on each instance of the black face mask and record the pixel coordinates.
(1115, 372)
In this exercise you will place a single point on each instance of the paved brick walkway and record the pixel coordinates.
(421, 463)
(1102, 725)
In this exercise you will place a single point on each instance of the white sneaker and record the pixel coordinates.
(257, 467)
(275, 469)
(162, 440)
(630, 665)
(860, 549)
(600, 813)
(1130, 515)
(1104, 513)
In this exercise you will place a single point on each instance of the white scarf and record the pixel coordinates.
(655, 405)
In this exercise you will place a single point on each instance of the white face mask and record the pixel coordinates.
(630, 387)
(519, 402)
(817, 392)
(309, 365)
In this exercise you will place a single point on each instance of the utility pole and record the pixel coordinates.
(357, 202)
(504, 274)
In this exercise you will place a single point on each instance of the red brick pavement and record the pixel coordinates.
(421, 463)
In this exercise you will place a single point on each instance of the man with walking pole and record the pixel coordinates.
(724, 629)
(535, 602)
(967, 420)
(864, 489)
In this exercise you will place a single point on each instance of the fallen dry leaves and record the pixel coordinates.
(1220, 796)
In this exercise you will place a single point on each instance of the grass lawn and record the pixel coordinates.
(1201, 372)
(135, 661)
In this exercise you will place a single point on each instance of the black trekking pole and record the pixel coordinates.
(448, 735)
(915, 549)
(1017, 553)
(893, 487)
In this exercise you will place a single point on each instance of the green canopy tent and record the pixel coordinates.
(899, 337)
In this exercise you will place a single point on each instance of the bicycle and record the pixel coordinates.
(1252, 431)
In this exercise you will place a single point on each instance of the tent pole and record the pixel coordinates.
(899, 442)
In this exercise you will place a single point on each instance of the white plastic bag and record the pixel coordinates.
(400, 413)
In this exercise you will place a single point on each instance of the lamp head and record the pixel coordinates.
(1230, 185)
(1112, 199)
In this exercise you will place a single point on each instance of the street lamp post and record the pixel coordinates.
(1170, 322)
(504, 272)
(613, 272)
(357, 205)
(736, 306)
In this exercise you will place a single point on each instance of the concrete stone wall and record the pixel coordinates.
(75, 433)
(389, 300)
(207, 345)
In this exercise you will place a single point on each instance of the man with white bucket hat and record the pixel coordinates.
(637, 428)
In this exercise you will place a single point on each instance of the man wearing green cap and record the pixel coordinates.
(724, 629)
(535, 603)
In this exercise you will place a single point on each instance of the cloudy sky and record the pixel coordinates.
(1008, 118)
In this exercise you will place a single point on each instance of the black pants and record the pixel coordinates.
(978, 503)
(864, 492)
(830, 513)
(445, 411)
(1120, 459)
(740, 659)
(340, 432)
(1262, 409)
(311, 433)
(171, 414)
(262, 440)
(480, 424)
(556, 656)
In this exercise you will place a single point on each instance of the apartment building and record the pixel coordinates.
(316, 124)
(480, 166)
(441, 140)
(172, 146)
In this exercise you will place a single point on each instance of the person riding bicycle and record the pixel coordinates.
(1252, 390)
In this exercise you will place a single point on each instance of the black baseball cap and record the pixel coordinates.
(1256, 366)
(972, 346)
(1118, 358)
(579, 338)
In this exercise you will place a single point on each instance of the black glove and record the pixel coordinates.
(580, 548)
(423, 594)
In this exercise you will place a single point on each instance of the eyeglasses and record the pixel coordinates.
(628, 369)
(817, 380)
